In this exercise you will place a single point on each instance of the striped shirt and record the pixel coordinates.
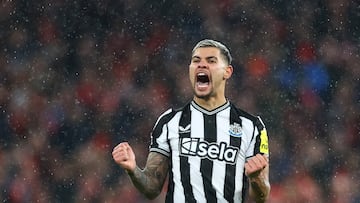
(207, 151)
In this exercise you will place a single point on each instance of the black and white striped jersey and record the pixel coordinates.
(207, 151)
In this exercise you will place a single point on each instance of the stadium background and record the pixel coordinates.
(78, 77)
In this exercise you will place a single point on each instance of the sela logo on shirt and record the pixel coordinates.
(215, 151)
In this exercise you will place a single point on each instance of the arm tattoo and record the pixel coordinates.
(151, 179)
(260, 186)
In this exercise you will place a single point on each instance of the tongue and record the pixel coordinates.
(202, 84)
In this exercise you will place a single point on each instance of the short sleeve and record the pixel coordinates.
(159, 135)
(260, 142)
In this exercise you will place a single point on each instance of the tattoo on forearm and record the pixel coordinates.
(150, 180)
(260, 187)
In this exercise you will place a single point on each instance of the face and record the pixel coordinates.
(208, 72)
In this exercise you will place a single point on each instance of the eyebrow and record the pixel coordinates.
(209, 57)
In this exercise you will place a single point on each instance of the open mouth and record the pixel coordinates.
(202, 80)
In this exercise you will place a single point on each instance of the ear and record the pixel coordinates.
(228, 72)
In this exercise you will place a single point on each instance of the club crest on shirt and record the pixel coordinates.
(235, 130)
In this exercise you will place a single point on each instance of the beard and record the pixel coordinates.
(203, 95)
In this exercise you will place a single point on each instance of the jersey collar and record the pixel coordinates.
(214, 111)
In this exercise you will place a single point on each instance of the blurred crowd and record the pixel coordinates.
(78, 77)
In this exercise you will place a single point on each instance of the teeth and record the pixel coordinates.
(201, 74)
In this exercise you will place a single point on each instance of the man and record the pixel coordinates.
(210, 150)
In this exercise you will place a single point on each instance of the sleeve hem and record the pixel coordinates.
(161, 151)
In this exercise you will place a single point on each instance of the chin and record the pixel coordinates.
(202, 95)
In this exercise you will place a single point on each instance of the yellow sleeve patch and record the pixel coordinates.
(264, 142)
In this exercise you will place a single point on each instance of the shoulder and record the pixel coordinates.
(246, 115)
(170, 113)
(242, 112)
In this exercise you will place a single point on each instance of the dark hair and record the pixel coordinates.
(212, 43)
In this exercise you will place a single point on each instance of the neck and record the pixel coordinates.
(210, 103)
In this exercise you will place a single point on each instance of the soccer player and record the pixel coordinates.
(210, 150)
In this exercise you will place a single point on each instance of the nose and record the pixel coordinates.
(202, 64)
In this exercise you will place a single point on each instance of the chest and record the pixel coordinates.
(213, 137)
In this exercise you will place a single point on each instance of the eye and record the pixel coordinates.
(212, 60)
(195, 60)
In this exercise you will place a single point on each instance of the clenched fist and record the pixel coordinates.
(124, 156)
(255, 165)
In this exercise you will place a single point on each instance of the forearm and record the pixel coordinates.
(150, 180)
(259, 188)
(146, 183)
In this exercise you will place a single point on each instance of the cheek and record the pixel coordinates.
(224, 74)
(191, 73)
(191, 77)
(219, 75)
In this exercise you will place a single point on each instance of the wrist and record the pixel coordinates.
(259, 184)
(258, 180)
(255, 179)
(131, 172)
